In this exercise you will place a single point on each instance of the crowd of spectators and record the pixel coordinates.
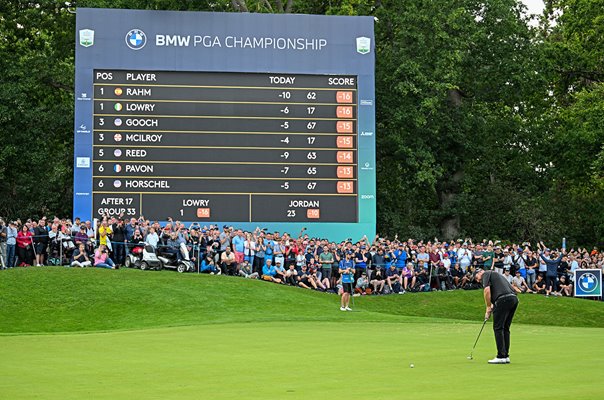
(377, 266)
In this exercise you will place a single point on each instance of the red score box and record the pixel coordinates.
(344, 97)
(203, 213)
(344, 142)
(345, 187)
(344, 127)
(345, 172)
(344, 112)
(313, 213)
(344, 157)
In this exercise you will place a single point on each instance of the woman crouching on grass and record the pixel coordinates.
(102, 260)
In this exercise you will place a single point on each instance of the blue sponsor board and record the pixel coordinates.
(148, 81)
(588, 283)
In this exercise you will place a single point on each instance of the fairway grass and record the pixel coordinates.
(305, 360)
(78, 334)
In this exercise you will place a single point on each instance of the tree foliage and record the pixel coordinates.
(487, 126)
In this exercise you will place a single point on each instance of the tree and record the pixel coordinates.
(36, 108)
(455, 84)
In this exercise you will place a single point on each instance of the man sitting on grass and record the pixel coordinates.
(280, 271)
(291, 275)
(457, 275)
(539, 286)
(362, 285)
(209, 266)
(269, 272)
(507, 275)
(420, 281)
(228, 262)
(246, 270)
(565, 288)
(305, 279)
(80, 257)
(378, 280)
(392, 276)
(519, 284)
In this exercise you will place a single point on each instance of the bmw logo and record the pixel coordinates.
(588, 282)
(136, 39)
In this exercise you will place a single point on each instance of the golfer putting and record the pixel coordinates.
(501, 301)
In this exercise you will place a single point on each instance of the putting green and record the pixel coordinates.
(304, 360)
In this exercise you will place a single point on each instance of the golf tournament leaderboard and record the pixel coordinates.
(240, 119)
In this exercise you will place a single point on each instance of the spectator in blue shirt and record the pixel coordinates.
(239, 246)
(360, 262)
(400, 256)
(269, 272)
(347, 271)
(270, 245)
(209, 266)
(11, 244)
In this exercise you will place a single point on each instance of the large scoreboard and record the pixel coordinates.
(243, 119)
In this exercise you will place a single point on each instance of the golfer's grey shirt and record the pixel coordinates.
(498, 284)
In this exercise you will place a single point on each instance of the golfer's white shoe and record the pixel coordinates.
(507, 360)
(342, 309)
(497, 361)
(348, 309)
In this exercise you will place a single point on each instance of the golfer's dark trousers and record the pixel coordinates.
(503, 313)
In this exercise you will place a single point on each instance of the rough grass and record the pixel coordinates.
(57, 299)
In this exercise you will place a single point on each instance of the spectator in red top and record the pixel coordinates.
(25, 250)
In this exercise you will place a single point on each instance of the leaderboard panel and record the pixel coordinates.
(217, 146)
(244, 119)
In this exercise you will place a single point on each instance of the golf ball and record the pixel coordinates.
(411, 365)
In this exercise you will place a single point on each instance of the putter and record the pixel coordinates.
(479, 333)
